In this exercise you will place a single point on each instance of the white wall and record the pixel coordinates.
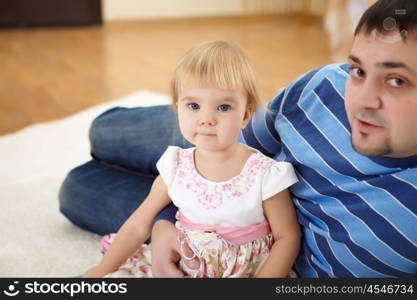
(146, 9)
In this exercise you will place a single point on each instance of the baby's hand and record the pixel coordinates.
(94, 272)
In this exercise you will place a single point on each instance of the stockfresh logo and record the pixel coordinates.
(390, 34)
(65, 288)
(11, 290)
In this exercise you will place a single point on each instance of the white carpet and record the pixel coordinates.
(35, 239)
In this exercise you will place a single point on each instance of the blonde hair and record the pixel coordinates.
(218, 63)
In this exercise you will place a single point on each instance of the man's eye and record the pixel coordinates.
(396, 82)
(193, 106)
(356, 72)
(224, 107)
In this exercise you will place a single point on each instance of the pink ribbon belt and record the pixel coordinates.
(235, 235)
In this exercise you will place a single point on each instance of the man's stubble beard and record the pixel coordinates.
(383, 150)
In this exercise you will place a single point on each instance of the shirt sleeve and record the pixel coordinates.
(260, 133)
(278, 177)
(167, 165)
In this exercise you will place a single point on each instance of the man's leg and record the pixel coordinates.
(135, 138)
(99, 198)
(126, 144)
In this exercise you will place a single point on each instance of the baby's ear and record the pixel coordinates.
(247, 116)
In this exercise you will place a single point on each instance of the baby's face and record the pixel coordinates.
(211, 118)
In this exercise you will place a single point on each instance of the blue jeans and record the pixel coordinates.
(126, 143)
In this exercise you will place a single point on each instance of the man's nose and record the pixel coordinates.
(368, 95)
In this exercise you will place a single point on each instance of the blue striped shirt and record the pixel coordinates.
(358, 214)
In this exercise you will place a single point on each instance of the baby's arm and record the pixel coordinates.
(134, 231)
(280, 212)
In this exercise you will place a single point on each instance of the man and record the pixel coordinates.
(350, 132)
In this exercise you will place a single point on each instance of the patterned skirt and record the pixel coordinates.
(218, 258)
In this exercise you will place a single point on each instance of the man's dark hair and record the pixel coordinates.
(387, 15)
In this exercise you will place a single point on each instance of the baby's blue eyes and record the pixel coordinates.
(221, 108)
(193, 106)
(224, 107)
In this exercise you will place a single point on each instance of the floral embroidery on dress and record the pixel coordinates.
(211, 194)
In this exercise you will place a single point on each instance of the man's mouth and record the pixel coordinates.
(366, 126)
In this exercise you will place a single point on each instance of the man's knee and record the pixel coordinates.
(77, 201)
(122, 125)
(133, 138)
(99, 198)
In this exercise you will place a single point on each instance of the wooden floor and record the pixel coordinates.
(49, 73)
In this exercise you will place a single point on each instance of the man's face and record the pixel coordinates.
(381, 95)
